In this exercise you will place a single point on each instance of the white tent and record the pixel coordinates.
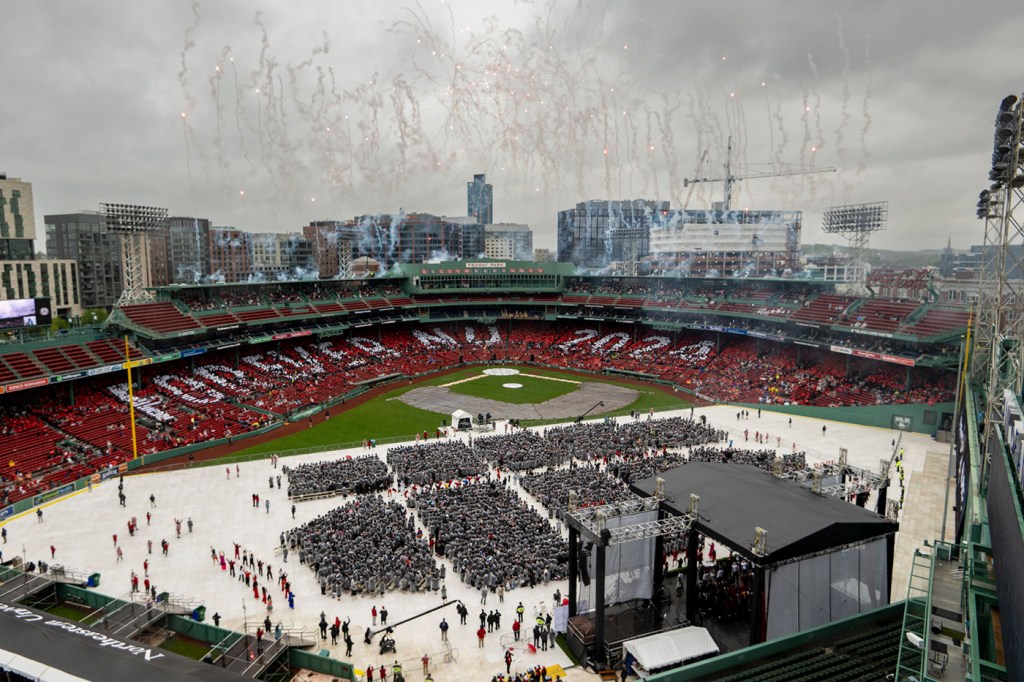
(462, 420)
(669, 649)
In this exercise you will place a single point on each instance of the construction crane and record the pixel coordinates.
(693, 183)
(729, 179)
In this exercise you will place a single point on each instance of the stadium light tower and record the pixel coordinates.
(998, 350)
(133, 224)
(856, 222)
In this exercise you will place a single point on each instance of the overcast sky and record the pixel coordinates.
(268, 115)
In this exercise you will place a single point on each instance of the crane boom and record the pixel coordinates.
(687, 183)
(729, 179)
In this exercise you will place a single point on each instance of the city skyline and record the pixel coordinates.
(268, 119)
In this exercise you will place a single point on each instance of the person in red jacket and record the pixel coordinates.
(480, 634)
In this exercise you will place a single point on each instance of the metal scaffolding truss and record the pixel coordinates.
(856, 480)
(591, 522)
(998, 353)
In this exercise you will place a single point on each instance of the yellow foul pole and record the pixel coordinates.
(131, 396)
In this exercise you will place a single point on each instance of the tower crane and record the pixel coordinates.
(729, 179)
(693, 183)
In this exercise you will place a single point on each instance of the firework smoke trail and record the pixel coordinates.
(668, 145)
(702, 142)
(408, 120)
(218, 141)
(865, 154)
(650, 122)
(805, 117)
(607, 152)
(735, 119)
(338, 180)
(238, 117)
(310, 111)
(844, 110)
(256, 76)
(190, 101)
(771, 128)
(819, 134)
(188, 160)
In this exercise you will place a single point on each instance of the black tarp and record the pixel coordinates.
(737, 498)
(87, 653)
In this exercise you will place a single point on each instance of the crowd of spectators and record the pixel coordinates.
(437, 462)
(764, 458)
(724, 589)
(366, 546)
(634, 469)
(206, 398)
(491, 535)
(591, 485)
(197, 300)
(284, 296)
(519, 451)
(241, 297)
(628, 439)
(358, 475)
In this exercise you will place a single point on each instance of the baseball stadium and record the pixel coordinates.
(769, 452)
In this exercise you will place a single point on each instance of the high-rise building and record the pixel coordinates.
(282, 256)
(508, 241)
(607, 235)
(187, 251)
(231, 258)
(21, 275)
(480, 200)
(83, 237)
(331, 241)
(392, 238)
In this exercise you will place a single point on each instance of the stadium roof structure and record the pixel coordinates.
(736, 499)
(40, 645)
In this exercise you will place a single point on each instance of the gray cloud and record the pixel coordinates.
(557, 102)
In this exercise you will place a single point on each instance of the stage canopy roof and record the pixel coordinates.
(737, 498)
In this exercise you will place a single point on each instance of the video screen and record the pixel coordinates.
(25, 312)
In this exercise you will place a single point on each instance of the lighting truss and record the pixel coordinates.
(998, 353)
(591, 521)
(857, 480)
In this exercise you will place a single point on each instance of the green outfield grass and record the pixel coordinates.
(386, 417)
(533, 390)
(186, 646)
(70, 612)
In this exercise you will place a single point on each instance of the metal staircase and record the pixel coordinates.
(914, 635)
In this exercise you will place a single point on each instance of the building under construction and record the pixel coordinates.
(719, 243)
